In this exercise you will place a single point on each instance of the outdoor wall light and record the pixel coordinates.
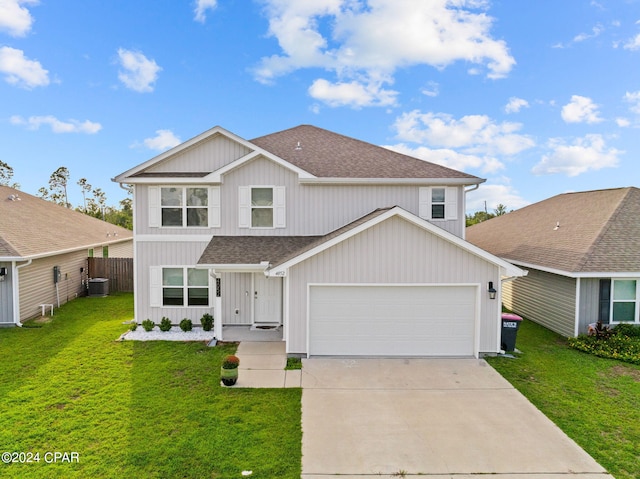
(492, 291)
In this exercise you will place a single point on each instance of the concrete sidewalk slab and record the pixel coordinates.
(261, 347)
(427, 416)
(262, 361)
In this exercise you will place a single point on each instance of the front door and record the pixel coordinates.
(267, 299)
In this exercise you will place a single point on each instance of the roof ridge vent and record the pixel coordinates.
(298, 147)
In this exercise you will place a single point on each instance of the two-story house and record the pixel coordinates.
(350, 248)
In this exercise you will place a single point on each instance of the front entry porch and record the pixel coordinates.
(241, 332)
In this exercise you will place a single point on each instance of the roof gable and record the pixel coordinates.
(586, 232)
(33, 227)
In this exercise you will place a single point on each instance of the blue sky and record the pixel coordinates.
(539, 97)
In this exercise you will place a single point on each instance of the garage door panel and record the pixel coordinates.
(392, 320)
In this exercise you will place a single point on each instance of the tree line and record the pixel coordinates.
(94, 199)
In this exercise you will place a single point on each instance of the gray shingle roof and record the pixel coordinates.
(330, 155)
(32, 226)
(276, 250)
(599, 232)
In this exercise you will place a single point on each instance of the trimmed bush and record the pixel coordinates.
(133, 326)
(186, 325)
(206, 321)
(148, 325)
(165, 324)
(629, 330)
(231, 362)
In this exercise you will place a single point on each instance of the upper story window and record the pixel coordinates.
(261, 207)
(438, 202)
(184, 206)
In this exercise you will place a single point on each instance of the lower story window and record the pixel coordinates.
(185, 287)
(624, 301)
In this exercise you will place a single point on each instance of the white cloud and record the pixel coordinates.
(200, 12)
(595, 31)
(164, 140)
(495, 192)
(14, 18)
(449, 158)
(632, 43)
(623, 122)
(515, 105)
(589, 153)
(57, 126)
(432, 89)
(353, 94)
(368, 41)
(473, 134)
(139, 73)
(580, 109)
(634, 99)
(20, 71)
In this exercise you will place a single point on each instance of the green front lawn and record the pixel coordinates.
(594, 401)
(135, 409)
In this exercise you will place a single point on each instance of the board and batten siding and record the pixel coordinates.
(309, 209)
(394, 251)
(167, 253)
(207, 155)
(545, 298)
(36, 285)
(589, 303)
(6, 295)
(236, 291)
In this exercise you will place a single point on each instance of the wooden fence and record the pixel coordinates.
(119, 271)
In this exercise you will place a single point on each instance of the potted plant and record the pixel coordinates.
(229, 370)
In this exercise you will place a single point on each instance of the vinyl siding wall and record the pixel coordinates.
(310, 209)
(6, 295)
(394, 251)
(121, 250)
(169, 253)
(37, 287)
(208, 155)
(236, 294)
(589, 303)
(546, 298)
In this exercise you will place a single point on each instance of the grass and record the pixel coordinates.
(135, 409)
(293, 363)
(595, 401)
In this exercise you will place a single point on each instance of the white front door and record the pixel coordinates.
(267, 299)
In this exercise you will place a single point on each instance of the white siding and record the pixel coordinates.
(169, 253)
(121, 250)
(207, 156)
(589, 303)
(236, 296)
(394, 251)
(6, 296)
(546, 298)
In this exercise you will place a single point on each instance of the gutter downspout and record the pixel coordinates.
(16, 290)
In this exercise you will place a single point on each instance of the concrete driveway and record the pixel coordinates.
(445, 418)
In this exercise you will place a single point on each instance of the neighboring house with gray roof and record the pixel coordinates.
(582, 251)
(38, 235)
(346, 247)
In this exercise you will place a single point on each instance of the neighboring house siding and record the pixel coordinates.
(169, 253)
(310, 209)
(546, 298)
(236, 295)
(589, 303)
(121, 250)
(37, 285)
(394, 251)
(6, 296)
(206, 156)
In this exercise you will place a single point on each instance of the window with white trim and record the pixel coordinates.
(438, 202)
(184, 206)
(624, 301)
(261, 207)
(185, 287)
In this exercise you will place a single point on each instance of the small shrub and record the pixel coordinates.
(206, 321)
(186, 325)
(616, 346)
(231, 362)
(133, 326)
(148, 325)
(629, 330)
(165, 324)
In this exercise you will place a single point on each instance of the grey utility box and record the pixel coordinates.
(99, 287)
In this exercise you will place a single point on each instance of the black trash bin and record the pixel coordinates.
(510, 325)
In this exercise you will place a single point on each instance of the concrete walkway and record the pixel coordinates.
(262, 366)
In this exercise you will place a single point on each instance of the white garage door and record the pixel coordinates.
(366, 320)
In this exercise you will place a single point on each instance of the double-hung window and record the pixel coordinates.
(185, 287)
(184, 206)
(262, 207)
(624, 301)
(438, 202)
